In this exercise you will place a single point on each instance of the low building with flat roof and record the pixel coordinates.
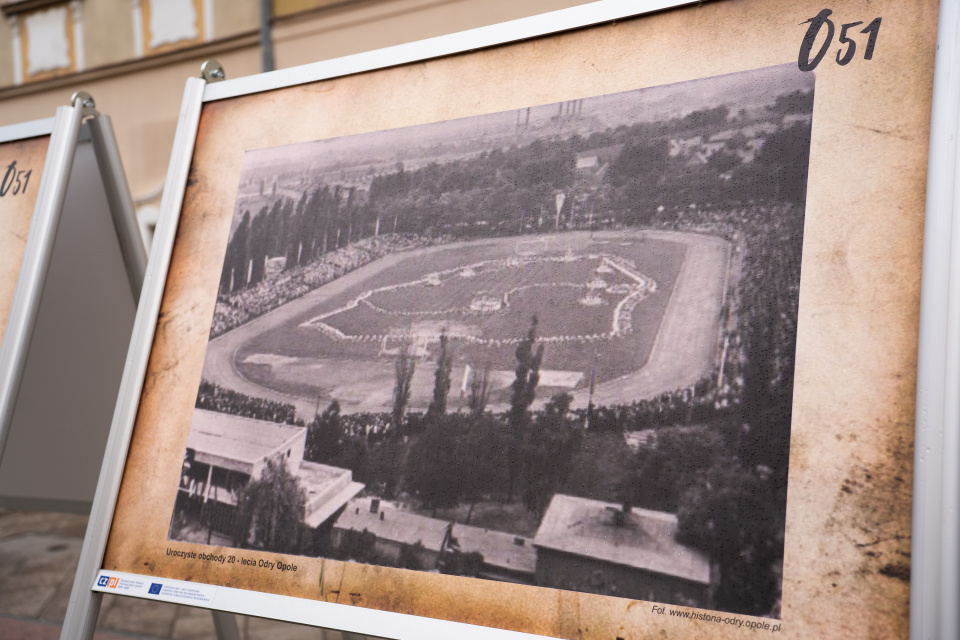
(506, 557)
(328, 490)
(394, 530)
(243, 445)
(592, 546)
(225, 452)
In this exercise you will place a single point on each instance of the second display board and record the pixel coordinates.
(520, 337)
(21, 162)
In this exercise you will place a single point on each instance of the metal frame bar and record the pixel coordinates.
(552, 23)
(24, 130)
(66, 130)
(84, 603)
(935, 563)
(120, 200)
(36, 256)
(97, 130)
(225, 625)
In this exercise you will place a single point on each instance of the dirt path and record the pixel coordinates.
(685, 347)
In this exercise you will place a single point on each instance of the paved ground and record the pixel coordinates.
(38, 558)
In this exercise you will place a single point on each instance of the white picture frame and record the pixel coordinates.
(934, 578)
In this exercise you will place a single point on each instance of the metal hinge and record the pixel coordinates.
(212, 71)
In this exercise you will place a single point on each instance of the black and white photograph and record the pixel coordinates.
(552, 346)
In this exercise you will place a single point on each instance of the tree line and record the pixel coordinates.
(512, 190)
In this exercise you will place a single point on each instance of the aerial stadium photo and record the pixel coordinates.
(552, 346)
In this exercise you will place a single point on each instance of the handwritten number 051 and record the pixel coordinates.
(806, 63)
(16, 179)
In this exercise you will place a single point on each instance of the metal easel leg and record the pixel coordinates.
(226, 625)
(81, 616)
(120, 201)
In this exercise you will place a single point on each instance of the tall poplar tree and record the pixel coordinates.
(441, 381)
(404, 368)
(523, 392)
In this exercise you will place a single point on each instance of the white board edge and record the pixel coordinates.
(24, 130)
(315, 613)
(934, 574)
(545, 24)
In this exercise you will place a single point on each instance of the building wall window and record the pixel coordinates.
(47, 42)
(163, 25)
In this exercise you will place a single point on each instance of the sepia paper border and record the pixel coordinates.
(848, 524)
(16, 213)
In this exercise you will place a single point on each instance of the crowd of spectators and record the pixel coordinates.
(756, 343)
(692, 405)
(757, 340)
(274, 291)
(213, 397)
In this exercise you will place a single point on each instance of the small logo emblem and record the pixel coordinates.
(113, 583)
(102, 582)
(155, 588)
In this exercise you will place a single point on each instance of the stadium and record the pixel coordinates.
(378, 292)
(636, 312)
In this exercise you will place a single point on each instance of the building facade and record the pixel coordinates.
(133, 56)
(226, 452)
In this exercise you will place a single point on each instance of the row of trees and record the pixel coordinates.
(459, 457)
(323, 220)
(725, 507)
(511, 190)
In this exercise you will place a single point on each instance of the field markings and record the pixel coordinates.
(220, 361)
(684, 347)
(620, 324)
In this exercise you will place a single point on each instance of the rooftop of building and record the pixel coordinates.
(499, 549)
(327, 488)
(646, 540)
(600, 154)
(392, 524)
(223, 437)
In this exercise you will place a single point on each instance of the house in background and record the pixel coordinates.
(396, 532)
(596, 547)
(431, 541)
(506, 557)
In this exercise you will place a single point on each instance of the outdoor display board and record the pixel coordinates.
(22, 161)
(607, 333)
(73, 265)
